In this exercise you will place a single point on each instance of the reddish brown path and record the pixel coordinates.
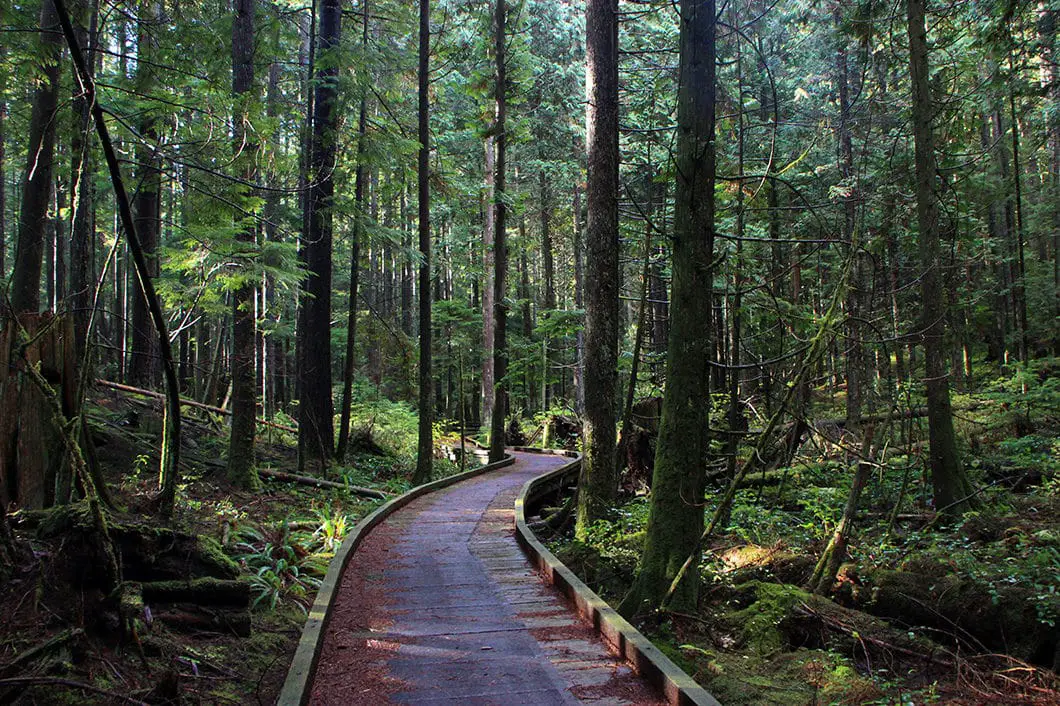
(440, 606)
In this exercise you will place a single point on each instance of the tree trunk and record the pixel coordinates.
(488, 236)
(827, 568)
(952, 489)
(1019, 293)
(3, 187)
(37, 182)
(550, 284)
(425, 445)
(579, 301)
(316, 438)
(169, 464)
(598, 484)
(500, 246)
(147, 201)
(241, 470)
(79, 299)
(349, 364)
(675, 519)
(855, 353)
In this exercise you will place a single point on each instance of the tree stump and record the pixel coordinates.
(31, 452)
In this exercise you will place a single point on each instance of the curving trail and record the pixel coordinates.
(440, 606)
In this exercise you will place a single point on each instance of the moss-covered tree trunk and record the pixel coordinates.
(598, 483)
(952, 489)
(675, 521)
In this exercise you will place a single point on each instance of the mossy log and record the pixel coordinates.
(964, 609)
(205, 592)
(321, 483)
(778, 618)
(189, 618)
(148, 552)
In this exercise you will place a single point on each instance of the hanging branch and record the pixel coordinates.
(168, 471)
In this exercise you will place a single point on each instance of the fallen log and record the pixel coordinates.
(188, 403)
(203, 591)
(148, 552)
(188, 619)
(321, 483)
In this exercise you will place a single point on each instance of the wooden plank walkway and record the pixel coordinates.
(440, 606)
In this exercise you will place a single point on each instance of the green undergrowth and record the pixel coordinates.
(922, 611)
(279, 539)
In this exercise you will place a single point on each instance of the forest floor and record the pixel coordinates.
(56, 647)
(921, 613)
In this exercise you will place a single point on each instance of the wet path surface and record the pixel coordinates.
(440, 606)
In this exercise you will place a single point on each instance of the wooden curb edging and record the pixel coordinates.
(648, 661)
(297, 687)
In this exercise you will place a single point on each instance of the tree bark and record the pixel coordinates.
(425, 445)
(349, 364)
(37, 182)
(82, 193)
(598, 483)
(241, 468)
(147, 200)
(550, 285)
(316, 437)
(3, 185)
(579, 301)
(500, 245)
(952, 489)
(675, 519)
(855, 350)
(489, 231)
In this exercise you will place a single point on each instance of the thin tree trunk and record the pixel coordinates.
(638, 345)
(425, 446)
(355, 256)
(579, 301)
(824, 574)
(737, 422)
(3, 184)
(855, 353)
(550, 285)
(1019, 293)
(500, 245)
(488, 235)
(952, 489)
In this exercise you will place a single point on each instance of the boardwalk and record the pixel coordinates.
(440, 606)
